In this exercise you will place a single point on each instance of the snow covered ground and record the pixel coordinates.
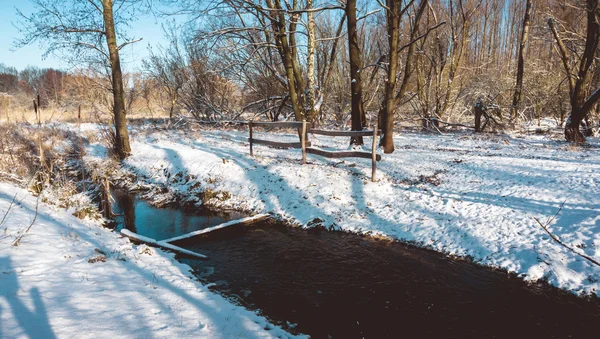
(462, 194)
(70, 278)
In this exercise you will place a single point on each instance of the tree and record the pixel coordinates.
(392, 96)
(358, 111)
(521, 64)
(581, 102)
(166, 67)
(9, 79)
(310, 64)
(393, 15)
(89, 31)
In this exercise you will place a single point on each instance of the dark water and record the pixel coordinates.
(333, 284)
(139, 216)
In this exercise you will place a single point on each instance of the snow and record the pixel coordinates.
(72, 278)
(247, 220)
(163, 244)
(461, 194)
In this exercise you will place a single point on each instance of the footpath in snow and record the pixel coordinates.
(462, 194)
(70, 278)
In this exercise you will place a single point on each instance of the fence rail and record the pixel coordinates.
(343, 133)
(278, 144)
(342, 154)
(279, 124)
(305, 145)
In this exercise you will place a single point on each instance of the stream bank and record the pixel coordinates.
(343, 285)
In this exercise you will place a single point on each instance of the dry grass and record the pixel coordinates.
(46, 160)
(48, 115)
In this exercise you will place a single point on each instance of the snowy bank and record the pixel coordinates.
(462, 194)
(71, 278)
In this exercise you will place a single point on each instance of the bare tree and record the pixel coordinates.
(581, 102)
(394, 96)
(91, 31)
(521, 65)
(358, 111)
(310, 64)
(167, 68)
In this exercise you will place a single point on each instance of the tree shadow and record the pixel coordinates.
(266, 178)
(34, 323)
(277, 194)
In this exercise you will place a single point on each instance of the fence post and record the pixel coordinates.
(374, 155)
(251, 151)
(107, 208)
(303, 140)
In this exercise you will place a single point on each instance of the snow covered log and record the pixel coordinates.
(160, 244)
(244, 221)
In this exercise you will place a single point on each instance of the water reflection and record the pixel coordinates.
(140, 217)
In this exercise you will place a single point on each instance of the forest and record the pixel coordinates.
(481, 64)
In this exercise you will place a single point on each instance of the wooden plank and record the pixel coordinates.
(342, 154)
(244, 221)
(343, 133)
(161, 244)
(279, 144)
(280, 124)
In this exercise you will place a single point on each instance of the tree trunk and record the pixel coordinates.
(456, 54)
(478, 110)
(293, 45)
(171, 109)
(521, 62)
(122, 147)
(310, 68)
(581, 104)
(387, 140)
(358, 113)
(286, 56)
(572, 132)
(389, 103)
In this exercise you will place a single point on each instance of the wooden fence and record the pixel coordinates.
(304, 129)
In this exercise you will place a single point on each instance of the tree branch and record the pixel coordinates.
(557, 240)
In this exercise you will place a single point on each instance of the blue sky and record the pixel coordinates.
(148, 28)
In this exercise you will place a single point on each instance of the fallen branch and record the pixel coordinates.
(244, 221)
(161, 244)
(556, 239)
